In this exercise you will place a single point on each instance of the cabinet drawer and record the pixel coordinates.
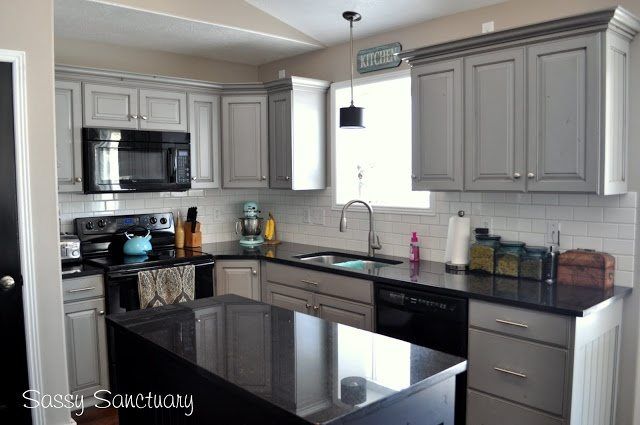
(82, 288)
(535, 325)
(486, 410)
(325, 283)
(524, 372)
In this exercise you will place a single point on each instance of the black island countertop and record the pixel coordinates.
(431, 277)
(288, 363)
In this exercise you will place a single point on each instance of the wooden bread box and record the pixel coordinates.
(581, 267)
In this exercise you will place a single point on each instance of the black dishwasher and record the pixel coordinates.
(434, 321)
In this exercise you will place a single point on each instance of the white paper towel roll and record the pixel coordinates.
(458, 237)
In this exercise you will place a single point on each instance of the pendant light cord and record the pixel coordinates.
(351, 56)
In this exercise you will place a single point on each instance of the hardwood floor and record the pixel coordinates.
(95, 416)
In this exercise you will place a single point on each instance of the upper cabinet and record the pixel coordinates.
(204, 125)
(545, 108)
(245, 142)
(69, 135)
(132, 108)
(297, 133)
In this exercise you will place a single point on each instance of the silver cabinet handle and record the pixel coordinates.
(510, 372)
(516, 175)
(254, 272)
(413, 176)
(198, 320)
(7, 282)
(507, 322)
(101, 312)
(144, 117)
(79, 179)
(133, 117)
(263, 178)
(308, 306)
(90, 288)
(315, 307)
(531, 175)
(287, 178)
(194, 178)
(310, 282)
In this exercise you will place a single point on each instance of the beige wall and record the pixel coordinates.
(109, 56)
(332, 64)
(27, 25)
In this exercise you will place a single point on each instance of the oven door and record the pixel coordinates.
(112, 166)
(122, 286)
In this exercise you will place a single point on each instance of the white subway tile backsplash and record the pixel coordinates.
(587, 221)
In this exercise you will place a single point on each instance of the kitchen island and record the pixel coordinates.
(246, 362)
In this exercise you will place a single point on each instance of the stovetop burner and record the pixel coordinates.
(157, 257)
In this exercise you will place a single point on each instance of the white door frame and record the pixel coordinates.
(25, 220)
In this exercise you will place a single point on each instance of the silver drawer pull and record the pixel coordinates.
(507, 322)
(309, 282)
(510, 372)
(91, 288)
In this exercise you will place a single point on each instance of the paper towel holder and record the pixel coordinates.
(456, 268)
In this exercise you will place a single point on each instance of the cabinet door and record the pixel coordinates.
(436, 96)
(249, 346)
(110, 106)
(564, 99)
(163, 110)
(280, 165)
(210, 339)
(86, 346)
(69, 135)
(240, 277)
(204, 125)
(245, 141)
(345, 312)
(287, 297)
(494, 121)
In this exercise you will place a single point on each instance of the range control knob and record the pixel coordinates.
(89, 225)
(101, 223)
(163, 220)
(153, 220)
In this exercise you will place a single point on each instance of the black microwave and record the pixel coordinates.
(135, 161)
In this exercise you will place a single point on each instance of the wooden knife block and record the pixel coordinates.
(192, 239)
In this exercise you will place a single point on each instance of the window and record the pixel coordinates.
(374, 163)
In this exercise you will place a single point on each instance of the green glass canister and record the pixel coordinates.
(482, 253)
(508, 258)
(534, 263)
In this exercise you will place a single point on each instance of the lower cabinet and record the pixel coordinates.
(86, 341)
(240, 277)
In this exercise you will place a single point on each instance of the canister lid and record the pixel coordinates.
(513, 244)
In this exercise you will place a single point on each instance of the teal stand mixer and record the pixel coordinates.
(250, 226)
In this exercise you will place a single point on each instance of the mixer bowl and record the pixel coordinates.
(249, 226)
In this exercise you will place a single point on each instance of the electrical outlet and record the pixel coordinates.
(487, 27)
(551, 238)
(282, 74)
(306, 215)
(317, 216)
(217, 214)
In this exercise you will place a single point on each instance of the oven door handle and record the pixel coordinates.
(133, 272)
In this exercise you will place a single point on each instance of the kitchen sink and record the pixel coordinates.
(350, 261)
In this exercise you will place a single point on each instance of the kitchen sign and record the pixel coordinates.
(377, 58)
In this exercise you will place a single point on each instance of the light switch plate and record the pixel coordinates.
(317, 216)
(306, 215)
(551, 238)
(487, 27)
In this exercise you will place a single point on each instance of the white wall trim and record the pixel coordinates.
(25, 219)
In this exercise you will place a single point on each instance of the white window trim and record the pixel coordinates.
(333, 123)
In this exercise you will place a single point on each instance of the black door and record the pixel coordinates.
(13, 355)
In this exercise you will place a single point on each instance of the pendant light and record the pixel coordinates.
(351, 116)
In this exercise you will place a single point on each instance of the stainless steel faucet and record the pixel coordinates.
(374, 240)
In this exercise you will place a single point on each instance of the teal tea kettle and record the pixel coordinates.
(137, 245)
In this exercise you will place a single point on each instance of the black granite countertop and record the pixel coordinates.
(431, 277)
(308, 356)
(71, 271)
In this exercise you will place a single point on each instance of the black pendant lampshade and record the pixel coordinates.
(351, 116)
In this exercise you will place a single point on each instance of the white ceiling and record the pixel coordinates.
(108, 23)
(322, 20)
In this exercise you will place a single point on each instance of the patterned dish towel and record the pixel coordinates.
(166, 286)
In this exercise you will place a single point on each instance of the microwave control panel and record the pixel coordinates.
(183, 166)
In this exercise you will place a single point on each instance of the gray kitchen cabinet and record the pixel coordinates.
(248, 330)
(69, 135)
(563, 114)
(162, 110)
(345, 312)
(210, 334)
(494, 121)
(110, 106)
(204, 126)
(533, 367)
(245, 142)
(86, 341)
(240, 277)
(297, 133)
(437, 114)
(287, 297)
